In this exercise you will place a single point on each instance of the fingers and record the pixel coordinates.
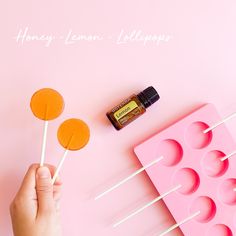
(40, 188)
(44, 189)
(27, 188)
(57, 185)
(57, 192)
(28, 183)
(53, 170)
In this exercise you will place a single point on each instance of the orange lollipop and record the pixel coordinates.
(73, 134)
(46, 104)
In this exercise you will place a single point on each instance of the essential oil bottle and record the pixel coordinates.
(132, 107)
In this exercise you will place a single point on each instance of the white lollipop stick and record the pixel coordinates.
(59, 166)
(228, 156)
(44, 143)
(219, 123)
(129, 177)
(147, 205)
(179, 224)
(62, 161)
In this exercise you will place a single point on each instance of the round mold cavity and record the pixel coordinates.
(207, 209)
(212, 164)
(188, 179)
(171, 151)
(195, 137)
(226, 192)
(220, 230)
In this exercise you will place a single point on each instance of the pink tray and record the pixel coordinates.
(192, 159)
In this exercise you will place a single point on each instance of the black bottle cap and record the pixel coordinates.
(148, 96)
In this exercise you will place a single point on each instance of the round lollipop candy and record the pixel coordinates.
(46, 104)
(73, 134)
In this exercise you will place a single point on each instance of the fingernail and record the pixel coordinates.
(43, 173)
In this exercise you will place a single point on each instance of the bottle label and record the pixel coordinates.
(125, 110)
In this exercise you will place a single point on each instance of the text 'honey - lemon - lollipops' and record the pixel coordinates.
(73, 134)
(46, 104)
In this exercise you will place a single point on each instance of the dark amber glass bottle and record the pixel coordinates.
(132, 107)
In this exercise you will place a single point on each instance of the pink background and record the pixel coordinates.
(196, 66)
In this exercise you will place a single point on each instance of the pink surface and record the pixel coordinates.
(206, 182)
(196, 66)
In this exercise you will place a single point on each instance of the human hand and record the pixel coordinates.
(34, 210)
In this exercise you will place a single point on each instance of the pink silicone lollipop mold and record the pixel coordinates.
(227, 193)
(207, 208)
(219, 230)
(188, 179)
(172, 151)
(212, 164)
(195, 136)
(193, 160)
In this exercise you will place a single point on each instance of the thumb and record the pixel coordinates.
(44, 189)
